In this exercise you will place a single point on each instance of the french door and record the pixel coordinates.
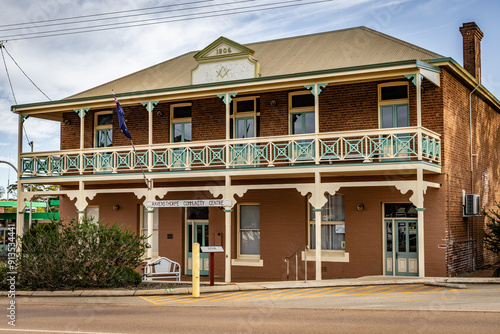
(401, 247)
(197, 231)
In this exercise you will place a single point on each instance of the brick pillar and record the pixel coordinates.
(472, 36)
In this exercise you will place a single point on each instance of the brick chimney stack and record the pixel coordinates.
(472, 36)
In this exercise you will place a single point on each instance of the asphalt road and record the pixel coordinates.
(394, 309)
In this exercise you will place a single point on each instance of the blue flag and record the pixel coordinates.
(121, 118)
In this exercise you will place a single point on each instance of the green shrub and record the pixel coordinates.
(4, 285)
(127, 277)
(492, 233)
(76, 254)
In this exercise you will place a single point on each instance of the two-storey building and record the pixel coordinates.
(374, 139)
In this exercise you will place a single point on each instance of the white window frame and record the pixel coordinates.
(245, 114)
(327, 255)
(102, 127)
(394, 102)
(298, 110)
(252, 260)
(174, 121)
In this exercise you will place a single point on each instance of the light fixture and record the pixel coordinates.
(116, 207)
(159, 113)
(67, 122)
(360, 207)
(274, 103)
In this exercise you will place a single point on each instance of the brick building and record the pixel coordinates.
(378, 139)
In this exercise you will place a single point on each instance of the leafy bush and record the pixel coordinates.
(4, 285)
(492, 235)
(78, 255)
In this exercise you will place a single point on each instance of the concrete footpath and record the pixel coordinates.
(455, 283)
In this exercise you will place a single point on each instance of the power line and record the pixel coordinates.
(178, 18)
(24, 74)
(122, 16)
(142, 21)
(102, 14)
(7, 70)
(2, 47)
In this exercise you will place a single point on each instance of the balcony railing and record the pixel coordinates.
(370, 146)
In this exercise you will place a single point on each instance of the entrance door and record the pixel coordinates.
(401, 253)
(200, 235)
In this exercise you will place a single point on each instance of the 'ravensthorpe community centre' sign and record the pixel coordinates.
(188, 203)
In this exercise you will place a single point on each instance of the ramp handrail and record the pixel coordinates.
(296, 254)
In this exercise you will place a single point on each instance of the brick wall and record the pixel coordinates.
(342, 107)
(465, 235)
(209, 119)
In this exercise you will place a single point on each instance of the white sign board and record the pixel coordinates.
(339, 228)
(212, 249)
(188, 203)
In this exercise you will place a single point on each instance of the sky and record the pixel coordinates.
(64, 65)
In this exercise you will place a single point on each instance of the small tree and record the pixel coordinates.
(79, 254)
(492, 234)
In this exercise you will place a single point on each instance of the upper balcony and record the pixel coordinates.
(378, 146)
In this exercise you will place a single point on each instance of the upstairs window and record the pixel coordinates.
(245, 118)
(103, 125)
(180, 116)
(301, 107)
(394, 105)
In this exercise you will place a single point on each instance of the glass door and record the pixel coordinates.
(401, 251)
(303, 123)
(197, 231)
(397, 116)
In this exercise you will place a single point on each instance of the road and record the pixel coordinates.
(370, 309)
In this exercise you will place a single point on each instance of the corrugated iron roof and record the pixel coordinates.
(322, 51)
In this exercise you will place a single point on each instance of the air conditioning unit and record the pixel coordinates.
(472, 205)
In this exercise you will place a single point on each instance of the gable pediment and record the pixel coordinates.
(224, 60)
(223, 48)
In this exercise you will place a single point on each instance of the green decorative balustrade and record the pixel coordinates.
(374, 146)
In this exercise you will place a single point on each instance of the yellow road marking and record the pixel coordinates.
(372, 291)
(415, 289)
(235, 295)
(295, 293)
(178, 298)
(303, 293)
(262, 294)
(202, 298)
(280, 294)
(392, 290)
(330, 290)
(348, 291)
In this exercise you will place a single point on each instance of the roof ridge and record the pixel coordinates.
(400, 41)
(375, 32)
(301, 36)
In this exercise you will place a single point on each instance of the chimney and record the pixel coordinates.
(472, 36)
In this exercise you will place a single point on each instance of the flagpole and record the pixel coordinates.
(123, 128)
(140, 165)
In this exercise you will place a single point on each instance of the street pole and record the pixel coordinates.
(196, 270)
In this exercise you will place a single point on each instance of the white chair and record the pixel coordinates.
(162, 268)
